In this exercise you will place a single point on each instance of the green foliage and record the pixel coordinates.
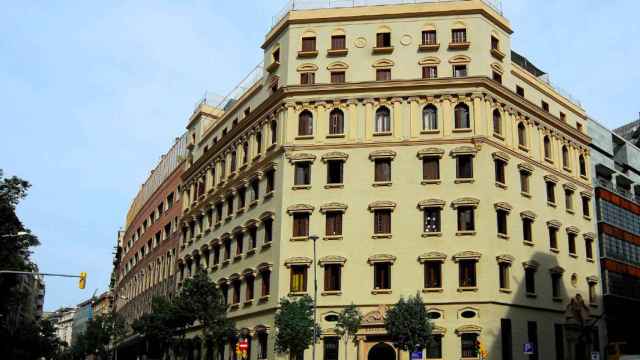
(101, 331)
(163, 326)
(294, 322)
(408, 325)
(348, 323)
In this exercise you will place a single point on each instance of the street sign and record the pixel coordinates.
(416, 355)
(528, 348)
(595, 355)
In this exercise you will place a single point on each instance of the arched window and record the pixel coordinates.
(565, 156)
(383, 120)
(547, 148)
(429, 118)
(336, 122)
(497, 122)
(522, 135)
(274, 131)
(258, 142)
(462, 116)
(305, 123)
(583, 165)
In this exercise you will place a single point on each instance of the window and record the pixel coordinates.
(270, 175)
(553, 238)
(551, 192)
(432, 274)
(467, 272)
(500, 171)
(466, 220)
(169, 201)
(582, 165)
(497, 122)
(468, 345)
(223, 169)
(430, 168)
(276, 55)
(507, 339)
(383, 74)
(249, 291)
(332, 275)
(305, 123)
(382, 170)
(338, 77)
(307, 78)
(258, 143)
(527, 229)
(522, 135)
(336, 122)
(298, 278)
(432, 220)
(382, 221)
(229, 206)
(585, 206)
(216, 255)
(429, 37)
(239, 243)
(495, 43)
(459, 71)
(563, 117)
(242, 197)
(430, 118)
(501, 221)
(558, 330)
(547, 148)
(588, 246)
(309, 43)
(383, 120)
(520, 90)
(255, 189)
(532, 334)
(383, 40)
(568, 199)
(227, 248)
(434, 347)
(263, 344)
(300, 224)
(382, 276)
(268, 230)
(338, 42)
(565, 157)
(555, 284)
(524, 181)
(265, 275)
(334, 223)
(459, 36)
(592, 292)
(218, 212)
(335, 171)
(429, 72)
(464, 166)
(503, 274)
(253, 237)
(571, 239)
(496, 76)
(245, 152)
(302, 173)
(530, 280)
(331, 347)
(274, 132)
(545, 106)
(224, 288)
(461, 113)
(236, 291)
(579, 126)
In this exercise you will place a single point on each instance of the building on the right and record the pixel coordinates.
(616, 169)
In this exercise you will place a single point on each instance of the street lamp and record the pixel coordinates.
(19, 233)
(314, 238)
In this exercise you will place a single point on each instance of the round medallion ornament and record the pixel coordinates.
(406, 40)
(360, 42)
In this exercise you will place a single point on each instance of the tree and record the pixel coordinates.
(348, 324)
(294, 322)
(201, 298)
(163, 326)
(98, 336)
(408, 325)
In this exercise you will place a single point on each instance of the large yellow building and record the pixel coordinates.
(425, 155)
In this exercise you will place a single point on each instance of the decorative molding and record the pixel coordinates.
(531, 264)
(333, 206)
(465, 201)
(589, 236)
(468, 329)
(298, 208)
(503, 206)
(569, 186)
(338, 65)
(382, 154)
(383, 64)
(382, 204)
(298, 157)
(335, 155)
(466, 255)
(430, 152)
(307, 67)
(554, 223)
(298, 260)
(431, 203)
(592, 279)
(500, 155)
(528, 214)
(572, 230)
(432, 256)
(526, 167)
(505, 258)
(557, 270)
(463, 150)
(381, 258)
(332, 259)
(551, 178)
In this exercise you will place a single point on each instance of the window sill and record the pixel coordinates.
(432, 234)
(506, 291)
(380, 291)
(566, 169)
(433, 131)
(383, 133)
(237, 258)
(586, 217)
(553, 205)
(572, 212)
(465, 233)
(213, 188)
(272, 146)
(267, 245)
(233, 307)
(584, 177)
(498, 136)
(497, 54)
(428, 47)
(381, 236)
(253, 203)
(247, 303)
(240, 211)
(528, 243)
(304, 137)
(525, 194)
(226, 262)
(332, 237)
(273, 66)
(307, 54)
(337, 52)
(263, 298)
(501, 185)
(431, 182)
(297, 293)
(334, 186)
(335, 136)
(590, 260)
(463, 130)
(257, 157)
(548, 160)
(575, 256)
(228, 218)
(299, 238)
(523, 148)
(459, 46)
(381, 183)
(557, 299)
(503, 236)
(208, 230)
(301, 187)
(383, 50)
(250, 252)
(432, 290)
(532, 295)
(269, 195)
(331, 293)
(464, 181)
(468, 288)
(554, 250)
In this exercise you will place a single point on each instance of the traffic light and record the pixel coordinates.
(83, 280)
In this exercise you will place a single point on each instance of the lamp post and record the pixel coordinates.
(314, 238)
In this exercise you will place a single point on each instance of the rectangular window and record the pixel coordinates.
(532, 335)
(383, 40)
(300, 224)
(585, 206)
(467, 274)
(307, 78)
(497, 77)
(169, 201)
(495, 43)
(592, 293)
(503, 269)
(530, 280)
(338, 77)
(458, 36)
(302, 173)
(266, 282)
(216, 255)
(558, 330)
(430, 168)
(268, 230)
(553, 238)
(551, 192)
(588, 246)
(230, 206)
(545, 106)
(249, 289)
(520, 90)
(429, 72)
(242, 198)
(568, 199)
(298, 278)
(501, 222)
(270, 180)
(338, 42)
(555, 285)
(432, 220)
(331, 347)
(334, 223)
(262, 345)
(563, 117)
(468, 345)
(332, 277)
(464, 167)
(382, 221)
(227, 249)
(433, 275)
(507, 339)
(571, 238)
(255, 189)
(527, 230)
(383, 74)
(500, 171)
(253, 237)
(429, 37)
(382, 170)
(309, 44)
(466, 221)
(382, 276)
(434, 347)
(524, 181)
(239, 243)
(459, 71)
(334, 171)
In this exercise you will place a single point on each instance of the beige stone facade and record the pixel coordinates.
(433, 185)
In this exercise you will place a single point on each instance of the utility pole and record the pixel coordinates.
(314, 238)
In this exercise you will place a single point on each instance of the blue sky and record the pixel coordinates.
(91, 96)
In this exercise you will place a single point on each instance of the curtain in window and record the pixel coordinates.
(382, 276)
(298, 278)
(338, 42)
(305, 123)
(309, 44)
(429, 118)
(432, 220)
(462, 121)
(336, 122)
(302, 174)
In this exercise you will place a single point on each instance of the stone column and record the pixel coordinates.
(479, 114)
(415, 123)
(351, 120)
(397, 118)
(290, 124)
(368, 119)
(447, 117)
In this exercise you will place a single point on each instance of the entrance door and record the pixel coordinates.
(382, 351)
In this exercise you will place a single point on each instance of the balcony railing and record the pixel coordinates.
(225, 102)
(293, 5)
(604, 183)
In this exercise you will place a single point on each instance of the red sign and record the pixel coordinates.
(244, 345)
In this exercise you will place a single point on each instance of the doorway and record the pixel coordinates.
(382, 351)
